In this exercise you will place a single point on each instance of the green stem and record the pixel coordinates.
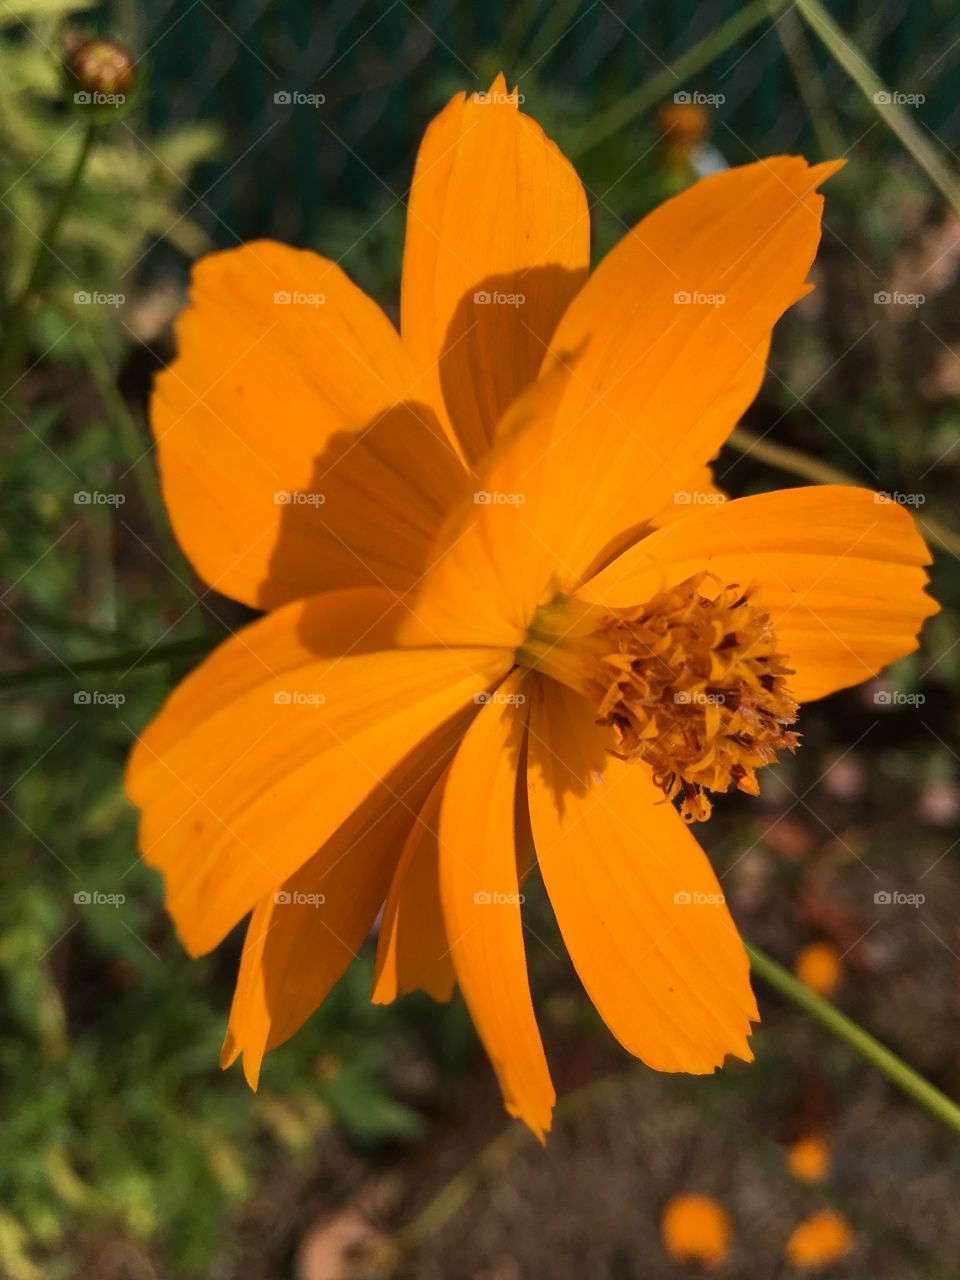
(798, 463)
(887, 1063)
(666, 81)
(15, 340)
(135, 450)
(809, 85)
(893, 115)
(186, 648)
(455, 1193)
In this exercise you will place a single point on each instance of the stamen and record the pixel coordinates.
(691, 684)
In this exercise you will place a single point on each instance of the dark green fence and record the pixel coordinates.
(382, 67)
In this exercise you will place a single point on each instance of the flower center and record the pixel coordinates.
(689, 683)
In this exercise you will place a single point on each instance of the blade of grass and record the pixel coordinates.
(137, 453)
(800, 464)
(892, 113)
(188, 647)
(666, 81)
(809, 85)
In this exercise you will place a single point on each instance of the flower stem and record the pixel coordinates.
(188, 647)
(15, 337)
(797, 463)
(672, 77)
(892, 113)
(137, 453)
(887, 1063)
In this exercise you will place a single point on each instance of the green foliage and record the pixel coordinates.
(131, 196)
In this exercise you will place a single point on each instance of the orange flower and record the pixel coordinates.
(809, 1159)
(820, 1240)
(683, 127)
(503, 602)
(697, 1229)
(819, 967)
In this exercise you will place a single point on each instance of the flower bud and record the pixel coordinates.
(100, 68)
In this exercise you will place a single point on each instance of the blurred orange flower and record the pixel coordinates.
(683, 126)
(809, 1159)
(820, 1240)
(819, 967)
(495, 568)
(696, 1228)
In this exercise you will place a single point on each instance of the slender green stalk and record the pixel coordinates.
(892, 113)
(809, 85)
(188, 647)
(15, 335)
(134, 449)
(798, 463)
(887, 1063)
(514, 38)
(670, 78)
(455, 1193)
(560, 17)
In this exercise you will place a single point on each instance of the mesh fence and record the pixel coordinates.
(322, 106)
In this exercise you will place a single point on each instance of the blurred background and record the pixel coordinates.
(377, 1144)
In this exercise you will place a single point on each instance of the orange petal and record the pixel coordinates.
(480, 584)
(637, 902)
(839, 571)
(413, 952)
(698, 490)
(293, 456)
(302, 938)
(498, 242)
(264, 750)
(637, 392)
(481, 902)
(673, 328)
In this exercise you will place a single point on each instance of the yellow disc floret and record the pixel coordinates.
(690, 682)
